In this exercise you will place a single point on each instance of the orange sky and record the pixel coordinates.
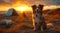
(26, 4)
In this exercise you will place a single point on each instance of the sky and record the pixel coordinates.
(15, 3)
(47, 2)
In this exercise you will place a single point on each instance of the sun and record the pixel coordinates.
(22, 9)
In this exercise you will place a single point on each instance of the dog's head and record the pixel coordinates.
(37, 9)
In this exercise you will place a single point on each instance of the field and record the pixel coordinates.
(23, 23)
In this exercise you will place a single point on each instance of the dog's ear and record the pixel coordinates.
(34, 8)
(41, 7)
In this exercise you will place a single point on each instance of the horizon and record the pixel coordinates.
(30, 9)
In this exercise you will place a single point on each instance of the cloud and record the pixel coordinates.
(45, 2)
(57, 2)
(5, 1)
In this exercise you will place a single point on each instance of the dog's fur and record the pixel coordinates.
(39, 23)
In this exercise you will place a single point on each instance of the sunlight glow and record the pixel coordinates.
(23, 8)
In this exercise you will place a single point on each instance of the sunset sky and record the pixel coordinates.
(18, 4)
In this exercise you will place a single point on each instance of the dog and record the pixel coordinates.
(39, 22)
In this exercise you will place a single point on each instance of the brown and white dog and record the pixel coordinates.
(39, 22)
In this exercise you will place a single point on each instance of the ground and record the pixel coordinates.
(23, 24)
